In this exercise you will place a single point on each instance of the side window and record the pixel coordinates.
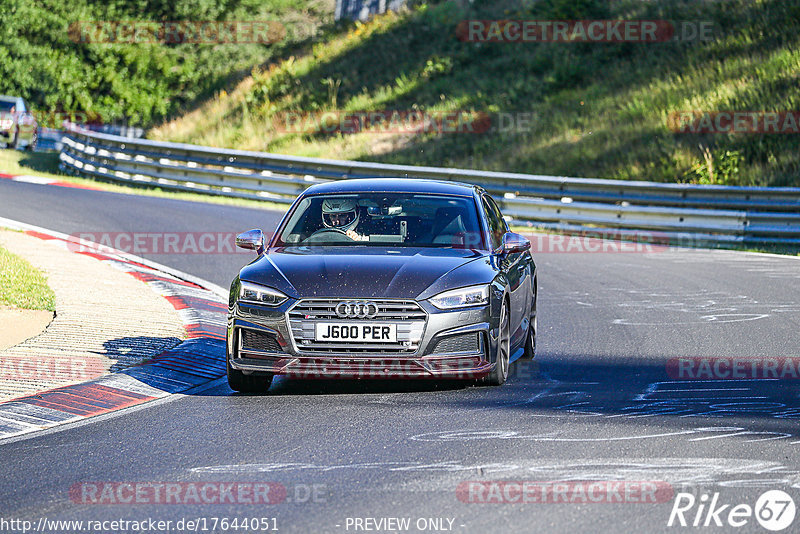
(497, 226)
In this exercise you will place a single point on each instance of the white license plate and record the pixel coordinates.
(356, 332)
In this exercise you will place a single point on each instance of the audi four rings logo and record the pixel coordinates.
(357, 309)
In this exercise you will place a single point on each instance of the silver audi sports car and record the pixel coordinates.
(383, 278)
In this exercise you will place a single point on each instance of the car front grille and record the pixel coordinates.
(409, 317)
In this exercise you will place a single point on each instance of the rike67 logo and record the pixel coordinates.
(774, 510)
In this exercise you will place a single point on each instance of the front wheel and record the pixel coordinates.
(499, 373)
(530, 341)
(238, 381)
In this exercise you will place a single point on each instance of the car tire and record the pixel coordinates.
(499, 373)
(238, 381)
(530, 340)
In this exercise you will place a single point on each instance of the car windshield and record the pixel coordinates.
(383, 219)
(6, 106)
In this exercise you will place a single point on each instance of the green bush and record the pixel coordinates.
(140, 83)
(718, 167)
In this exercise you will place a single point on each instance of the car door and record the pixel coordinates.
(515, 266)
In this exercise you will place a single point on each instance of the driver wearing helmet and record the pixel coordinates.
(342, 214)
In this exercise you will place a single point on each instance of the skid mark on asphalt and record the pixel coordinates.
(444, 466)
(682, 400)
(651, 308)
(445, 475)
(564, 437)
(773, 267)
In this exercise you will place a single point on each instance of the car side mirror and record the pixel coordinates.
(251, 240)
(513, 243)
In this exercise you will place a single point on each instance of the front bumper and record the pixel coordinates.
(451, 345)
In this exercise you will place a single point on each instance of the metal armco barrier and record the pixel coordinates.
(684, 213)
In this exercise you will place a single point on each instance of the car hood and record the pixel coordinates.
(362, 273)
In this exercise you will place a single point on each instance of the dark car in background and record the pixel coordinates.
(376, 278)
(18, 126)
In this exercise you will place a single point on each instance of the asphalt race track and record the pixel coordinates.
(601, 402)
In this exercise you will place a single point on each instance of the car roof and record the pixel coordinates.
(9, 98)
(392, 185)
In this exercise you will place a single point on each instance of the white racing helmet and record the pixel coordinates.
(341, 214)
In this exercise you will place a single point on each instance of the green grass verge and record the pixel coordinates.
(22, 285)
(45, 164)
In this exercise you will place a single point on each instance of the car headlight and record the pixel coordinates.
(257, 294)
(460, 298)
